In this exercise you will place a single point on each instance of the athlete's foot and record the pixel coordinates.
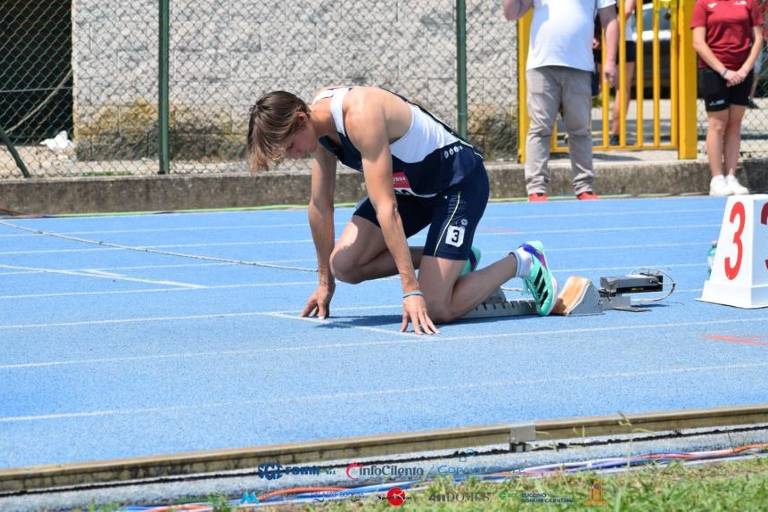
(537, 197)
(540, 282)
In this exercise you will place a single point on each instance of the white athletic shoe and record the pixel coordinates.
(719, 186)
(736, 187)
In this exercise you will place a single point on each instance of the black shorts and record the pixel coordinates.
(452, 215)
(631, 51)
(716, 93)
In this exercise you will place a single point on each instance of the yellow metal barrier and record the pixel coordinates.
(678, 109)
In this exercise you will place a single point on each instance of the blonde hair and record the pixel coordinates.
(273, 119)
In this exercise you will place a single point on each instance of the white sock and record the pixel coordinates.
(524, 262)
(719, 177)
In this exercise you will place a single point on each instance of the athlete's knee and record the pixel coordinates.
(345, 267)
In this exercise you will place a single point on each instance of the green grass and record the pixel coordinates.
(732, 486)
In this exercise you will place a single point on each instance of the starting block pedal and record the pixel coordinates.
(740, 267)
(578, 297)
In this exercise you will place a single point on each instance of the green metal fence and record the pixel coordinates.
(91, 69)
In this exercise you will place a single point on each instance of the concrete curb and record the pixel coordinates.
(182, 192)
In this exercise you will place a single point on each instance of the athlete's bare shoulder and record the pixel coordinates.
(362, 104)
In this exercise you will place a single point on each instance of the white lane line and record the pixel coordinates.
(106, 275)
(576, 214)
(103, 275)
(512, 231)
(345, 325)
(309, 240)
(632, 247)
(177, 318)
(181, 229)
(609, 329)
(229, 227)
(444, 338)
(158, 290)
(161, 267)
(304, 283)
(165, 246)
(387, 392)
(122, 277)
(250, 352)
(625, 267)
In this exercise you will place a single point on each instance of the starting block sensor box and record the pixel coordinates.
(642, 282)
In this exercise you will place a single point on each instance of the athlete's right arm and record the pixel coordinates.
(514, 9)
(320, 213)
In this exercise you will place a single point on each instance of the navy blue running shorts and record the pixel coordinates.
(452, 215)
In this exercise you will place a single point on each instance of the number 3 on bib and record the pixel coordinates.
(454, 236)
(740, 268)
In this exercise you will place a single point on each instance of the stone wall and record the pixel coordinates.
(224, 55)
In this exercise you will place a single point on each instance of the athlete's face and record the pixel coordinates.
(303, 143)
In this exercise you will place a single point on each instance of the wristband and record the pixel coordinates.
(411, 294)
(724, 73)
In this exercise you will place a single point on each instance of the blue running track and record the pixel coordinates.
(110, 353)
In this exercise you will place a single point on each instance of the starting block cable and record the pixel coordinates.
(151, 250)
(656, 299)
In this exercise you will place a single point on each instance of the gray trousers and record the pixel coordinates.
(548, 88)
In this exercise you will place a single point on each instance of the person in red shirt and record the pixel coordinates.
(727, 35)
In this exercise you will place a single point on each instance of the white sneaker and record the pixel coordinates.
(719, 186)
(735, 186)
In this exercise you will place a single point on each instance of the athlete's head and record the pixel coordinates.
(279, 127)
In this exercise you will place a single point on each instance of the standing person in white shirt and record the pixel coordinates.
(559, 71)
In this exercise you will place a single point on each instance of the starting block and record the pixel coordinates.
(579, 297)
(740, 267)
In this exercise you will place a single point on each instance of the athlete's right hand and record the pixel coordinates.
(319, 302)
(415, 312)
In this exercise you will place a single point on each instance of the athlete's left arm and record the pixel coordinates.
(611, 26)
(367, 129)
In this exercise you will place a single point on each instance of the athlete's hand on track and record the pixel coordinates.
(319, 302)
(415, 311)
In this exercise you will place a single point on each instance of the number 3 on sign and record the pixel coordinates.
(732, 270)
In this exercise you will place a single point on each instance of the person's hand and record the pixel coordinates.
(415, 311)
(609, 72)
(319, 302)
(733, 78)
(595, 43)
(742, 74)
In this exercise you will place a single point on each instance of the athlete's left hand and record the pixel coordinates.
(415, 311)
